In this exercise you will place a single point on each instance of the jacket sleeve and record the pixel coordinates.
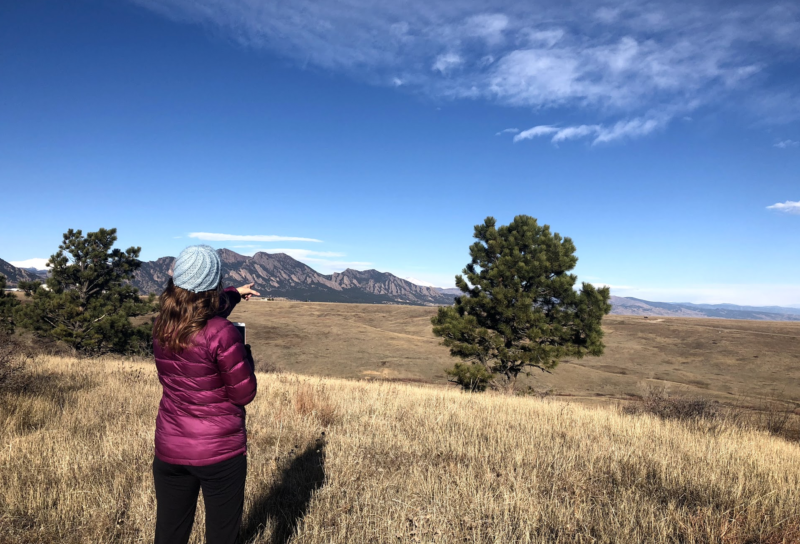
(235, 366)
(228, 300)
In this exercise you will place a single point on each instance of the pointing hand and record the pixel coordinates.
(247, 291)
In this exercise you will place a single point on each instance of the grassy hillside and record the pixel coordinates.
(714, 358)
(356, 462)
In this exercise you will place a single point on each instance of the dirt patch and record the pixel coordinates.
(613, 369)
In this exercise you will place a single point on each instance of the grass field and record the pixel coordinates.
(718, 359)
(336, 461)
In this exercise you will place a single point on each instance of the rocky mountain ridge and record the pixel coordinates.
(279, 275)
(15, 275)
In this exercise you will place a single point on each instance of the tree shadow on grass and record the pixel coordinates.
(286, 502)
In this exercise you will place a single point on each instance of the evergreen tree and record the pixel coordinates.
(8, 302)
(519, 310)
(88, 301)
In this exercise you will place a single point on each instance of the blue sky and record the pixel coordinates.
(663, 139)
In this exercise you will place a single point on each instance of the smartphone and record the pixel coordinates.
(241, 328)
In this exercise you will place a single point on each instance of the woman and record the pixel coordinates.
(206, 372)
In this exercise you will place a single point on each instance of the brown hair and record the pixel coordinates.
(182, 314)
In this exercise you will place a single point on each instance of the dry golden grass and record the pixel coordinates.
(335, 461)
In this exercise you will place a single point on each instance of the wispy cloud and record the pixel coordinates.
(507, 131)
(786, 207)
(37, 262)
(629, 128)
(787, 143)
(424, 276)
(420, 282)
(446, 62)
(535, 132)
(614, 64)
(217, 237)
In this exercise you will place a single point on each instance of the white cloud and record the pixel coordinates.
(425, 277)
(572, 133)
(541, 38)
(535, 132)
(216, 237)
(420, 282)
(608, 15)
(489, 26)
(786, 207)
(37, 263)
(622, 59)
(507, 131)
(787, 143)
(446, 62)
(629, 128)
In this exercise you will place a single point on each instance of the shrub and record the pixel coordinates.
(658, 403)
(470, 377)
(769, 416)
(773, 417)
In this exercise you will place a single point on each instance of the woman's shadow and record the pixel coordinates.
(285, 503)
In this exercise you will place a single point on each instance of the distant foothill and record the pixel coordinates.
(282, 277)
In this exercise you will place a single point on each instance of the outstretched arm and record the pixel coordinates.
(231, 296)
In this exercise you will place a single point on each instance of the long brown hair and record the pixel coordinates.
(182, 314)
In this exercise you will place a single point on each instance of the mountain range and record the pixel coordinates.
(14, 275)
(279, 275)
(635, 306)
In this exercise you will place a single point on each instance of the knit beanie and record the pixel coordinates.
(197, 269)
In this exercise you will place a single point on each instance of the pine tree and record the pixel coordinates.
(519, 310)
(88, 300)
(8, 303)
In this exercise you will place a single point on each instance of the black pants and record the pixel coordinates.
(177, 487)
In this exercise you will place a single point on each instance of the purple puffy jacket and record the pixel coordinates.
(206, 386)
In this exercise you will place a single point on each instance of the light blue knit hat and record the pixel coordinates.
(197, 269)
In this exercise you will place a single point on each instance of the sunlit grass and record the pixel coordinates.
(344, 461)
